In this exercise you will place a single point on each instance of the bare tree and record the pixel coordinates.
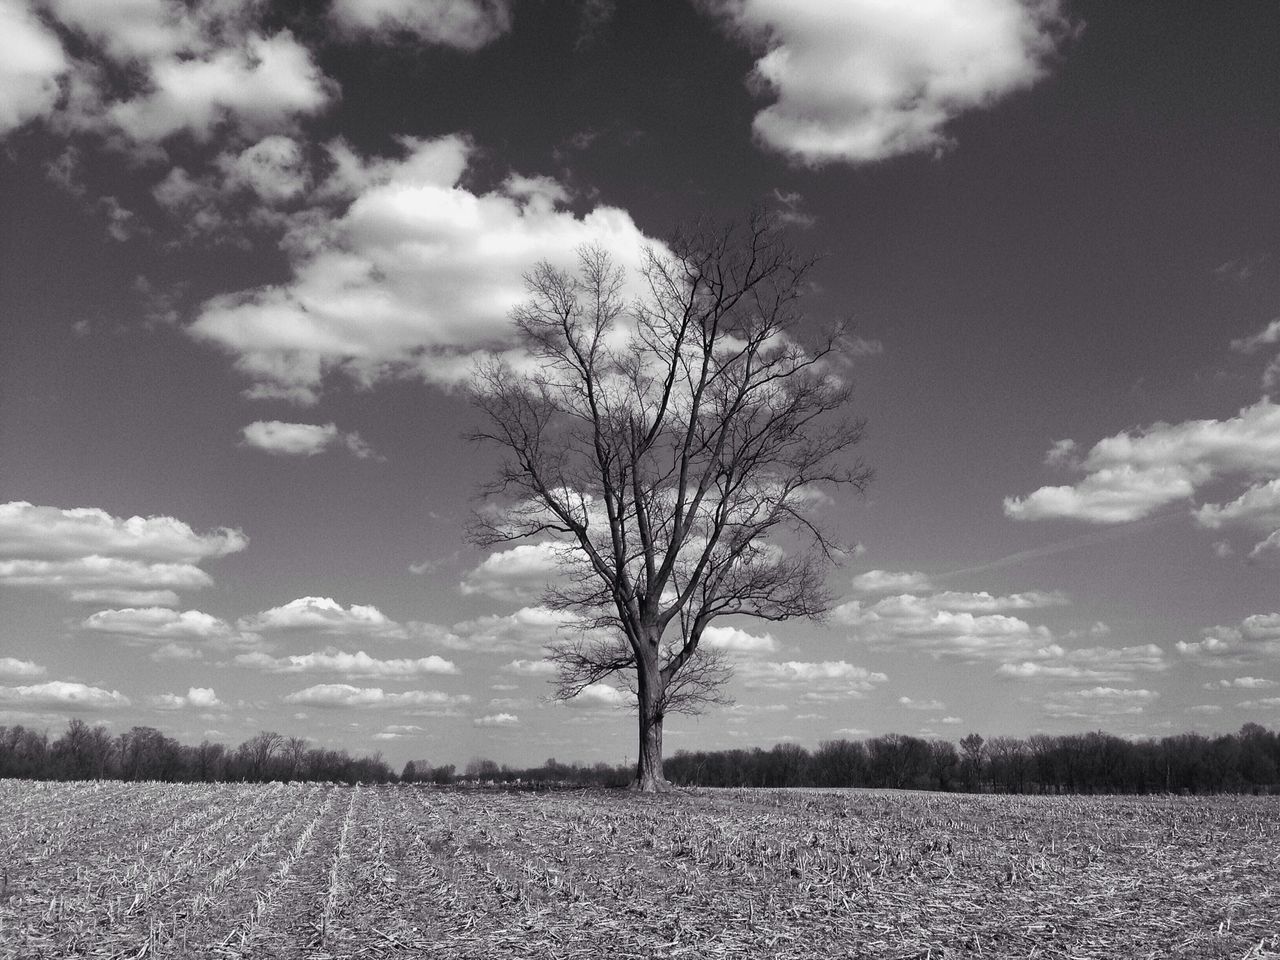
(675, 445)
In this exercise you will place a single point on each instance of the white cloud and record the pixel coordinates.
(1258, 506)
(31, 64)
(519, 573)
(1266, 337)
(1096, 702)
(906, 621)
(1205, 708)
(911, 704)
(346, 695)
(497, 720)
(88, 577)
(325, 616)
(1267, 703)
(1131, 474)
(401, 731)
(1245, 683)
(1257, 638)
(54, 533)
(889, 581)
(527, 628)
(952, 721)
(158, 623)
(596, 695)
(1093, 664)
(13, 667)
(358, 664)
(862, 80)
(531, 668)
(302, 439)
(196, 698)
(464, 24)
(825, 675)
(127, 598)
(414, 277)
(738, 641)
(61, 693)
(274, 169)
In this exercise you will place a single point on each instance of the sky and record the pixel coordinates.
(251, 250)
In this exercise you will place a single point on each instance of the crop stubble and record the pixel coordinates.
(316, 871)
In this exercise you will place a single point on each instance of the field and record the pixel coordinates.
(292, 871)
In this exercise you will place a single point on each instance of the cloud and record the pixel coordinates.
(531, 668)
(92, 577)
(1205, 708)
(346, 695)
(921, 704)
(60, 693)
(31, 63)
(1133, 473)
(1245, 683)
(863, 80)
(889, 581)
(324, 616)
(738, 641)
(528, 627)
(597, 695)
(952, 721)
(1256, 639)
(463, 24)
(158, 623)
(196, 698)
(1258, 507)
(1092, 664)
(1267, 703)
(13, 667)
(1266, 337)
(358, 664)
(1097, 702)
(945, 625)
(497, 720)
(519, 573)
(821, 676)
(54, 533)
(405, 272)
(302, 439)
(401, 731)
(194, 69)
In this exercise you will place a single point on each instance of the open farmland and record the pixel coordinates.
(129, 870)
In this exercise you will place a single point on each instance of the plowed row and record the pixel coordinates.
(316, 871)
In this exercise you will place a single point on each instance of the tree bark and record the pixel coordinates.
(649, 778)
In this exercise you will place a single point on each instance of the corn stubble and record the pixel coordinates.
(316, 871)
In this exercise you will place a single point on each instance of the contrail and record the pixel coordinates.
(1062, 546)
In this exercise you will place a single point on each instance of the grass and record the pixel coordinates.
(155, 870)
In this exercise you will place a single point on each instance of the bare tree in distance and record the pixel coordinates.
(676, 445)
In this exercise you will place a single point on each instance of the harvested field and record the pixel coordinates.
(294, 871)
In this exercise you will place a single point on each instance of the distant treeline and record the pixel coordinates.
(1244, 762)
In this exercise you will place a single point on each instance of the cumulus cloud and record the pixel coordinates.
(597, 695)
(527, 628)
(1268, 336)
(1243, 683)
(1092, 664)
(1266, 703)
(531, 668)
(325, 616)
(13, 667)
(863, 80)
(91, 556)
(1095, 702)
(31, 63)
(738, 641)
(157, 623)
(826, 676)
(55, 533)
(61, 693)
(1133, 473)
(413, 276)
(197, 698)
(519, 573)
(1255, 639)
(890, 581)
(463, 24)
(358, 664)
(497, 720)
(302, 439)
(401, 731)
(346, 695)
(911, 704)
(949, 625)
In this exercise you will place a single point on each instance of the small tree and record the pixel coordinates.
(675, 445)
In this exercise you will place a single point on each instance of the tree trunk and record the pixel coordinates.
(649, 778)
